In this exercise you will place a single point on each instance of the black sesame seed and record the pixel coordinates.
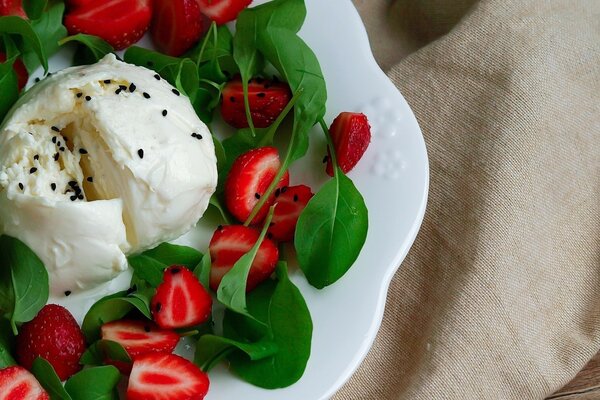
(220, 227)
(80, 197)
(146, 328)
(55, 129)
(197, 135)
(325, 159)
(118, 91)
(56, 157)
(53, 186)
(36, 157)
(284, 189)
(67, 293)
(107, 81)
(49, 74)
(21, 186)
(54, 138)
(295, 197)
(194, 134)
(176, 92)
(232, 99)
(132, 88)
(90, 179)
(62, 149)
(79, 94)
(72, 183)
(164, 113)
(157, 77)
(33, 170)
(87, 98)
(261, 94)
(175, 271)
(83, 151)
(73, 198)
(277, 192)
(58, 143)
(141, 153)
(257, 195)
(37, 80)
(123, 87)
(31, 133)
(158, 307)
(146, 95)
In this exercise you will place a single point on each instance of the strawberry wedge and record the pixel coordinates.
(222, 11)
(351, 135)
(290, 203)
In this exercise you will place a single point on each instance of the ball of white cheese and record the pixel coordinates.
(98, 162)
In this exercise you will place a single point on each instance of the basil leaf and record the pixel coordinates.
(103, 350)
(105, 380)
(202, 271)
(90, 50)
(232, 289)
(290, 327)
(331, 231)
(148, 58)
(186, 79)
(7, 344)
(211, 349)
(147, 269)
(28, 288)
(8, 87)
(34, 8)
(173, 254)
(216, 200)
(14, 25)
(50, 30)
(111, 308)
(45, 374)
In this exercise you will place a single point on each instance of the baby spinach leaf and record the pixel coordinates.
(8, 87)
(111, 308)
(50, 30)
(14, 25)
(202, 271)
(171, 254)
(211, 349)
(232, 290)
(7, 343)
(148, 58)
(331, 231)
(100, 351)
(25, 280)
(45, 374)
(105, 380)
(283, 308)
(34, 8)
(90, 48)
(147, 269)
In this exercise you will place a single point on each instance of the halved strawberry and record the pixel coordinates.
(231, 242)
(138, 338)
(19, 67)
(12, 7)
(177, 25)
(166, 377)
(351, 135)
(266, 100)
(250, 176)
(16, 383)
(120, 22)
(290, 203)
(222, 11)
(77, 3)
(180, 300)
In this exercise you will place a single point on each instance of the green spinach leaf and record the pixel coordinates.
(45, 374)
(100, 351)
(90, 48)
(202, 271)
(148, 58)
(7, 344)
(147, 268)
(34, 8)
(14, 25)
(8, 87)
(171, 254)
(105, 380)
(24, 281)
(50, 30)
(211, 349)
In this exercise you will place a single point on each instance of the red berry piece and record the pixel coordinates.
(177, 25)
(12, 7)
(55, 336)
(180, 300)
(16, 383)
(351, 135)
(166, 377)
(222, 11)
(290, 204)
(231, 242)
(266, 100)
(250, 176)
(120, 22)
(19, 67)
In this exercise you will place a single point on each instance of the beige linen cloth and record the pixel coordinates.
(499, 297)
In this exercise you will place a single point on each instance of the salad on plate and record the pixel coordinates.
(103, 164)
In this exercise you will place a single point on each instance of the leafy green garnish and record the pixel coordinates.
(173, 254)
(45, 374)
(34, 8)
(202, 270)
(100, 351)
(105, 380)
(50, 30)
(8, 87)
(19, 27)
(23, 282)
(211, 349)
(90, 48)
(7, 343)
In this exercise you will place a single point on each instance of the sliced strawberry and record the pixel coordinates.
(180, 300)
(250, 176)
(120, 22)
(54, 335)
(12, 7)
(222, 11)
(20, 69)
(351, 135)
(77, 3)
(290, 203)
(166, 377)
(231, 242)
(266, 100)
(139, 338)
(16, 383)
(177, 25)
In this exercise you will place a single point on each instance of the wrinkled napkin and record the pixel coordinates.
(499, 298)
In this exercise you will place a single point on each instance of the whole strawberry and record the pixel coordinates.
(55, 336)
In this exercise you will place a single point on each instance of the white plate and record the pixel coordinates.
(393, 178)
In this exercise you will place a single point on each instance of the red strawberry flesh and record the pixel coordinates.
(12, 7)
(16, 383)
(177, 25)
(21, 71)
(351, 135)
(290, 204)
(222, 11)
